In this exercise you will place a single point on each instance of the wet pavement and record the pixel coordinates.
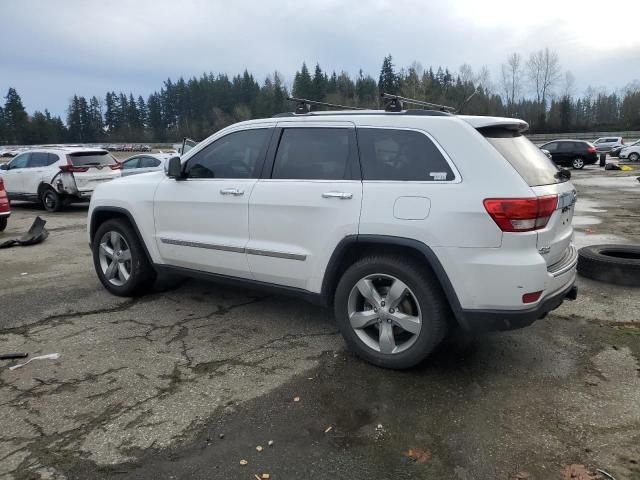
(146, 388)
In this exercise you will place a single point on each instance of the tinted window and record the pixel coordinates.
(53, 158)
(232, 156)
(81, 159)
(148, 162)
(314, 154)
(532, 165)
(38, 159)
(20, 161)
(388, 154)
(552, 147)
(611, 140)
(131, 163)
(566, 146)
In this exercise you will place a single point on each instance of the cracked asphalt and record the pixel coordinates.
(186, 382)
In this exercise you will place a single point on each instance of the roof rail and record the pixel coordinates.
(304, 105)
(395, 103)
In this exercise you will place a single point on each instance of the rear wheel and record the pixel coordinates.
(390, 312)
(120, 261)
(634, 157)
(3, 223)
(51, 200)
(577, 163)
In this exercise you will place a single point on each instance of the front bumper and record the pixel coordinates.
(495, 320)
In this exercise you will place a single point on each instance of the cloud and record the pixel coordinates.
(53, 49)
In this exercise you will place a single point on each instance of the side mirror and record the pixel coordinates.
(174, 170)
(4, 166)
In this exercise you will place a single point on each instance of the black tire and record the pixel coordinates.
(142, 275)
(634, 157)
(578, 163)
(51, 200)
(426, 290)
(617, 264)
(3, 223)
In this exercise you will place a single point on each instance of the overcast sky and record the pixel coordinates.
(53, 49)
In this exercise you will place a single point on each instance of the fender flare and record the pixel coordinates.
(430, 258)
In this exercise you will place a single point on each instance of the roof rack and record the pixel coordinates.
(304, 105)
(395, 103)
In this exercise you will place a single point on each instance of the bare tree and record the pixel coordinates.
(483, 79)
(568, 85)
(543, 69)
(512, 79)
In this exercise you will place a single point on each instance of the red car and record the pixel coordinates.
(5, 208)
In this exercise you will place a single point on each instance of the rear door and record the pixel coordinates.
(307, 201)
(37, 170)
(130, 166)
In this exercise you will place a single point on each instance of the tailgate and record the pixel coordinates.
(87, 181)
(555, 238)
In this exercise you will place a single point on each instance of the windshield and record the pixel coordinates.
(81, 159)
(528, 160)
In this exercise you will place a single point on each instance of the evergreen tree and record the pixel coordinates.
(388, 81)
(302, 83)
(319, 84)
(16, 120)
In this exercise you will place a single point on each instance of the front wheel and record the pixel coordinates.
(390, 312)
(634, 157)
(120, 260)
(577, 163)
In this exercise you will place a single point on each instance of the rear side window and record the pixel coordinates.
(551, 147)
(38, 159)
(131, 163)
(314, 154)
(88, 159)
(149, 162)
(405, 155)
(528, 160)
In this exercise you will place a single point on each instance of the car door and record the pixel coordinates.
(37, 167)
(306, 202)
(565, 152)
(130, 166)
(14, 176)
(202, 222)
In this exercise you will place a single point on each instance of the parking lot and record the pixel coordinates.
(187, 382)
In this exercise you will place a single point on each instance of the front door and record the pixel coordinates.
(307, 201)
(202, 222)
(14, 176)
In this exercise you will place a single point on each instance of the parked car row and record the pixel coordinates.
(578, 153)
(128, 148)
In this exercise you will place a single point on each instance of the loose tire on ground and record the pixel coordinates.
(617, 264)
(141, 275)
(422, 295)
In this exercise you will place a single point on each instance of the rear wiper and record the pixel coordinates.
(563, 174)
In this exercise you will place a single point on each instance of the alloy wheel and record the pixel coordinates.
(384, 313)
(114, 255)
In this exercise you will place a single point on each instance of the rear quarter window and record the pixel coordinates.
(527, 159)
(405, 155)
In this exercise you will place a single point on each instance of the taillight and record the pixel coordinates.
(521, 214)
(116, 166)
(591, 149)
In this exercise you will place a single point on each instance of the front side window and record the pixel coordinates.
(20, 161)
(388, 154)
(314, 154)
(233, 156)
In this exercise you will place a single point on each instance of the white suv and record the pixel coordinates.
(56, 176)
(407, 223)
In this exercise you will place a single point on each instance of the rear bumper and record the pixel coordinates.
(495, 320)
(5, 214)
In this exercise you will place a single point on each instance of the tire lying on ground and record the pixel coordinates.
(617, 264)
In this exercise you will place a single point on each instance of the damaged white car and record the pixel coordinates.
(57, 176)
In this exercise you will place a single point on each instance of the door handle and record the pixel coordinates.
(232, 191)
(340, 195)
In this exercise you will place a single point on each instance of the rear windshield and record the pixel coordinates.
(81, 159)
(528, 160)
